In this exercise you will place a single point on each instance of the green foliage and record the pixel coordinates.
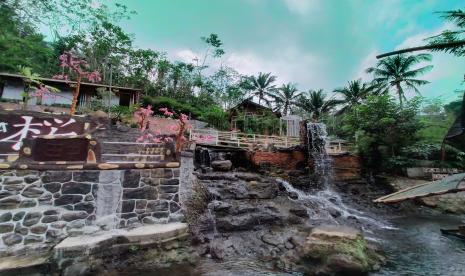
(215, 117)
(172, 104)
(268, 124)
(315, 104)
(381, 128)
(456, 17)
(400, 73)
(21, 44)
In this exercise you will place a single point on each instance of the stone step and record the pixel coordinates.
(95, 243)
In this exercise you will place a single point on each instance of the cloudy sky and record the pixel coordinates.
(316, 44)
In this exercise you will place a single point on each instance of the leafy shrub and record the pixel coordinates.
(172, 104)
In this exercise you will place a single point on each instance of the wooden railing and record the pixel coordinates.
(240, 140)
(244, 140)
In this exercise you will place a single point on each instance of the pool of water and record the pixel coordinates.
(417, 247)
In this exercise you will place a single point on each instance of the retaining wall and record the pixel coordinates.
(41, 208)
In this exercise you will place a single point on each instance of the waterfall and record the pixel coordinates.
(330, 206)
(317, 140)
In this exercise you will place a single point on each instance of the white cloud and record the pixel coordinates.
(301, 6)
(186, 55)
(369, 61)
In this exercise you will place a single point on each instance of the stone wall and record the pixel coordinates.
(38, 209)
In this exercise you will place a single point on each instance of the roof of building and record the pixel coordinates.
(129, 89)
(249, 102)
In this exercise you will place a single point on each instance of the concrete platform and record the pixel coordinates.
(86, 244)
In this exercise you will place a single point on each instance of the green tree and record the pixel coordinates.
(285, 97)
(451, 40)
(381, 128)
(397, 72)
(21, 45)
(261, 86)
(314, 103)
(354, 93)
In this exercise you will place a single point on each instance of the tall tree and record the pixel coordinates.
(262, 86)
(21, 45)
(449, 40)
(354, 93)
(285, 97)
(397, 72)
(314, 102)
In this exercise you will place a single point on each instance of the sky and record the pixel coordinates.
(315, 44)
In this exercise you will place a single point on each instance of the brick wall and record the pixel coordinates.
(287, 160)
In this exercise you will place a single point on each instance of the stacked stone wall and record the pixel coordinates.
(38, 209)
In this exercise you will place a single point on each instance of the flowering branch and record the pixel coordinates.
(149, 135)
(77, 66)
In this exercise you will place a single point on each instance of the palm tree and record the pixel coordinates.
(262, 86)
(315, 103)
(354, 93)
(285, 97)
(397, 72)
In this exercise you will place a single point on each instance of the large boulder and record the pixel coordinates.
(333, 250)
(221, 165)
(338, 250)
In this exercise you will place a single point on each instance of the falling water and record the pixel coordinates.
(330, 205)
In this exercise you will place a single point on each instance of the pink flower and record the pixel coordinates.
(174, 128)
(94, 76)
(40, 92)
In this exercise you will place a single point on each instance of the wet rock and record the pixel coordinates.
(141, 204)
(160, 215)
(128, 206)
(32, 192)
(76, 224)
(58, 224)
(173, 181)
(52, 187)
(169, 189)
(51, 212)
(14, 187)
(39, 229)
(6, 227)
(27, 203)
(32, 218)
(300, 212)
(20, 229)
(86, 176)
(19, 216)
(12, 180)
(6, 217)
(157, 206)
(52, 235)
(48, 219)
(174, 207)
(12, 239)
(70, 216)
(131, 179)
(76, 188)
(221, 165)
(85, 206)
(67, 199)
(146, 192)
(10, 202)
(4, 194)
(338, 250)
(89, 198)
(33, 239)
(56, 176)
(31, 179)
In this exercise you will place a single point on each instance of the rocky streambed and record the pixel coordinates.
(248, 216)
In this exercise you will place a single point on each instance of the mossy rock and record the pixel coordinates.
(338, 250)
